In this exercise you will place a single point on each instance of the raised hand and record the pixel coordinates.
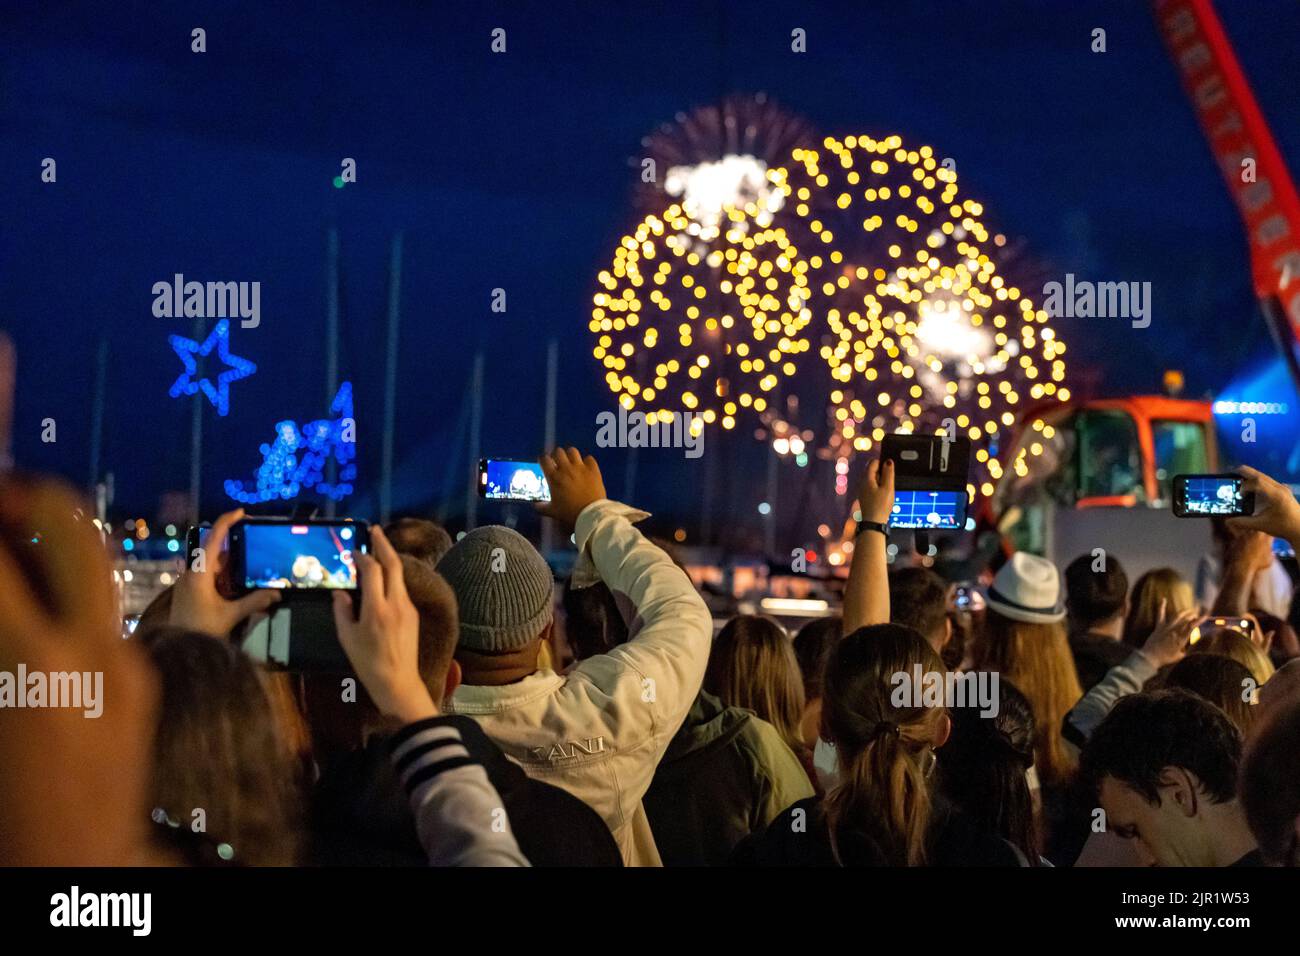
(575, 482)
(74, 783)
(383, 643)
(197, 604)
(1276, 510)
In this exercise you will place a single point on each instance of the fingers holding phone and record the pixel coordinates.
(1275, 511)
(876, 493)
(383, 642)
(575, 483)
(197, 602)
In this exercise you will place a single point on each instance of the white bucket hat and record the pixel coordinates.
(1028, 588)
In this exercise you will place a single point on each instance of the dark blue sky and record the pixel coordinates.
(512, 171)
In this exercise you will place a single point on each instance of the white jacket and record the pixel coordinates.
(599, 730)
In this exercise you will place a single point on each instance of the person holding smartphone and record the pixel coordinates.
(599, 729)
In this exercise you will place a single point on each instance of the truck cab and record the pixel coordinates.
(1094, 474)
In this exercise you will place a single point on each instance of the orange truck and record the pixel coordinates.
(1103, 481)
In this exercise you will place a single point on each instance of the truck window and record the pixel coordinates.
(1022, 500)
(1109, 459)
(1180, 450)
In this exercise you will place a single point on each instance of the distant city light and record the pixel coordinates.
(795, 607)
(1250, 408)
(764, 508)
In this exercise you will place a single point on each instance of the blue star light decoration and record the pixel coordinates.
(191, 382)
(295, 460)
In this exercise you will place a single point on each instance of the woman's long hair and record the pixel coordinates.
(1220, 680)
(884, 739)
(752, 665)
(982, 769)
(221, 749)
(1037, 659)
(1229, 642)
(1160, 585)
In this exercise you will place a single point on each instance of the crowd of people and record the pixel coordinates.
(491, 718)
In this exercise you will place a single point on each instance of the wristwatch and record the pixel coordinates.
(872, 526)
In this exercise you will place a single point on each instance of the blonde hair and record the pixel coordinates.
(752, 665)
(885, 749)
(1037, 659)
(1228, 642)
(1161, 584)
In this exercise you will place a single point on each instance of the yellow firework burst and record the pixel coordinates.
(921, 331)
(709, 327)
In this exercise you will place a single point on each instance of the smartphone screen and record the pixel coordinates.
(929, 509)
(512, 480)
(1206, 495)
(308, 556)
(1212, 624)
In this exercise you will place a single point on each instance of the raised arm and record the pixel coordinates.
(672, 630)
(1166, 645)
(866, 596)
(460, 818)
(1247, 553)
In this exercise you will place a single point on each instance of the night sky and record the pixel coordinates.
(512, 171)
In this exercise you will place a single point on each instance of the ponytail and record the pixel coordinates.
(884, 792)
(885, 748)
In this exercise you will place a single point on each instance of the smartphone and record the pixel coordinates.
(1201, 496)
(924, 462)
(1211, 624)
(965, 597)
(196, 537)
(930, 477)
(509, 480)
(299, 556)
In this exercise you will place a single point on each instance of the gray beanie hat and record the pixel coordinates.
(503, 589)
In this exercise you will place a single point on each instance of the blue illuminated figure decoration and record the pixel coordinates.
(190, 381)
(295, 461)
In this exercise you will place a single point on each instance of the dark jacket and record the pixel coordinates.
(1094, 655)
(800, 837)
(725, 774)
(361, 817)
